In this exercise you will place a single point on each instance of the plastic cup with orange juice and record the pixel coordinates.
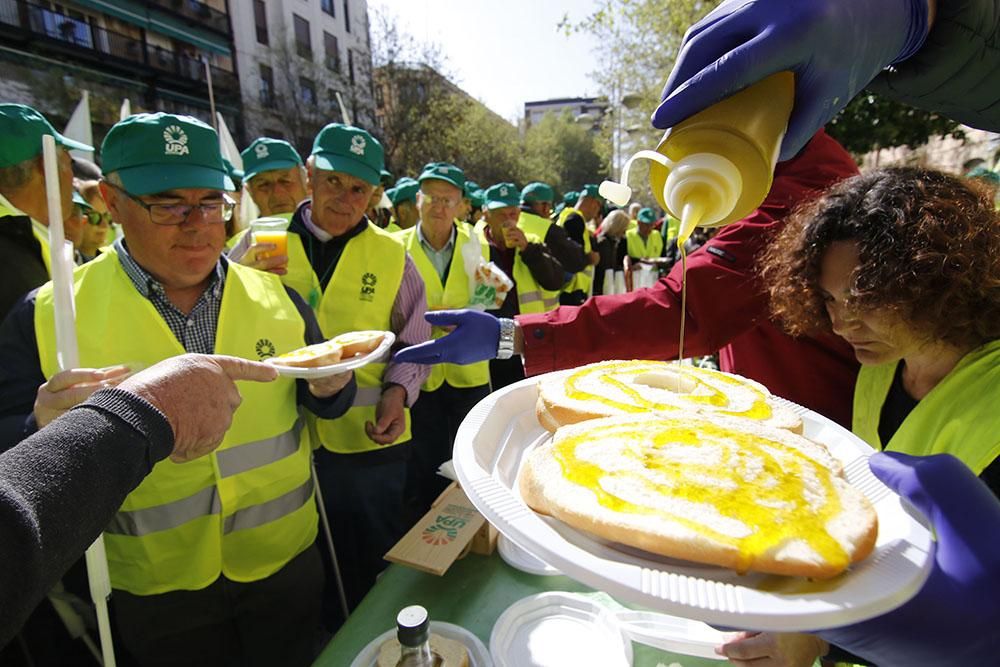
(273, 231)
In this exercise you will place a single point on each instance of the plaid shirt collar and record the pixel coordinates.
(148, 286)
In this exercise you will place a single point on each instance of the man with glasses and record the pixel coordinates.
(212, 561)
(446, 254)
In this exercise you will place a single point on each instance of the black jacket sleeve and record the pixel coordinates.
(21, 258)
(332, 406)
(20, 373)
(545, 269)
(569, 253)
(61, 487)
(957, 70)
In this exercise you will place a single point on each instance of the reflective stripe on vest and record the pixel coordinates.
(170, 533)
(360, 296)
(453, 294)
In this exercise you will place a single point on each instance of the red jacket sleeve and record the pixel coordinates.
(725, 298)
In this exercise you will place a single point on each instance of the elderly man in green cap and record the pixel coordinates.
(579, 224)
(446, 253)
(536, 206)
(24, 211)
(213, 561)
(358, 277)
(643, 242)
(537, 274)
(275, 176)
(404, 204)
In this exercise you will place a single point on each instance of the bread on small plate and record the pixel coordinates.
(313, 356)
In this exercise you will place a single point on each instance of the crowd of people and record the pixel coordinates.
(873, 299)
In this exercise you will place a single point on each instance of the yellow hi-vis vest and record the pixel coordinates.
(359, 297)
(582, 281)
(529, 223)
(531, 297)
(958, 416)
(651, 247)
(453, 294)
(242, 511)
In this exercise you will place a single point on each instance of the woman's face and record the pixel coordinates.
(877, 337)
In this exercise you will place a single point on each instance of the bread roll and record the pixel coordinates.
(611, 388)
(454, 653)
(359, 342)
(723, 491)
(313, 356)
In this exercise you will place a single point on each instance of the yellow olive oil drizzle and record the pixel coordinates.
(771, 502)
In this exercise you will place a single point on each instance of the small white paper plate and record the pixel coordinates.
(380, 353)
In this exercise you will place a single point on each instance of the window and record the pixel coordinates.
(307, 91)
(327, 6)
(266, 86)
(303, 42)
(347, 15)
(350, 65)
(260, 20)
(332, 50)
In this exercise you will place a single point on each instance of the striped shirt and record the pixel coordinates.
(196, 330)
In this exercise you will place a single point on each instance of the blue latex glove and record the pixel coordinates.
(834, 47)
(475, 338)
(955, 618)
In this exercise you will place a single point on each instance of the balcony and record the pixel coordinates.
(197, 13)
(40, 28)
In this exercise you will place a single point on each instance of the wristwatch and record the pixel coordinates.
(505, 349)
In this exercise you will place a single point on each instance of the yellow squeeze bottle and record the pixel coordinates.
(716, 167)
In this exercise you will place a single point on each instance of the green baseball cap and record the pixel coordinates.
(569, 199)
(233, 172)
(537, 192)
(470, 188)
(443, 171)
(351, 150)
(266, 154)
(646, 215)
(385, 177)
(406, 190)
(985, 174)
(83, 203)
(501, 195)
(478, 198)
(22, 128)
(156, 152)
(591, 190)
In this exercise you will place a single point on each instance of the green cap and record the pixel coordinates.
(156, 152)
(350, 150)
(443, 171)
(385, 177)
(22, 128)
(406, 190)
(569, 199)
(478, 198)
(537, 192)
(233, 172)
(470, 188)
(83, 203)
(591, 190)
(501, 195)
(985, 174)
(266, 154)
(646, 215)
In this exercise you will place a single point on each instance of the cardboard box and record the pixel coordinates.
(443, 535)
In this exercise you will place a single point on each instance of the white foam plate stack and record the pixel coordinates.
(498, 433)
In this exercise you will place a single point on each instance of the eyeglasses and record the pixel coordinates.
(178, 214)
(96, 217)
(446, 202)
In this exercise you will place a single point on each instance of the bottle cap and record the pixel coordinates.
(711, 180)
(413, 626)
(619, 193)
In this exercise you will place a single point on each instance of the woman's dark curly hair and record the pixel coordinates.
(929, 252)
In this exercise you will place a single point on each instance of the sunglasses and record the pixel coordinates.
(96, 218)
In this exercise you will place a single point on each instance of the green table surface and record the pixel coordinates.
(472, 594)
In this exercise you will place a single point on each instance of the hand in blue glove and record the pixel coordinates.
(834, 47)
(955, 618)
(475, 338)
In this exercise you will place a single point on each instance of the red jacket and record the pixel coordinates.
(727, 307)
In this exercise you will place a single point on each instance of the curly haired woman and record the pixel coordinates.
(904, 264)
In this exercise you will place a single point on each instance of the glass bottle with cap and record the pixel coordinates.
(413, 630)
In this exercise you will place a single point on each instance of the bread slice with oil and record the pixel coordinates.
(312, 356)
(611, 388)
(359, 342)
(722, 491)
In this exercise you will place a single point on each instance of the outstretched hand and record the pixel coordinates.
(475, 337)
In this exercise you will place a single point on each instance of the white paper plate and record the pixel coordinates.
(519, 559)
(557, 629)
(502, 428)
(478, 655)
(380, 353)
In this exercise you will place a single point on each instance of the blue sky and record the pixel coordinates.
(505, 52)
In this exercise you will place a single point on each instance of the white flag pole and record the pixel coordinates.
(125, 111)
(67, 354)
(79, 127)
